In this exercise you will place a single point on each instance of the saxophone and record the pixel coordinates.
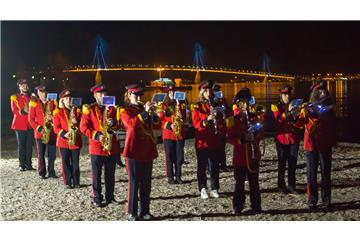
(73, 129)
(48, 125)
(177, 121)
(107, 135)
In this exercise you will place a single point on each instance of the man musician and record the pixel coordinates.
(97, 123)
(41, 120)
(24, 132)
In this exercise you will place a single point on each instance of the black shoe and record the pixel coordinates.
(237, 211)
(326, 204)
(68, 186)
(21, 169)
(30, 168)
(53, 176)
(112, 201)
(42, 177)
(283, 190)
(171, 181)
(131, 217)
(179, 181)
(98, 205)
(147, 217)
(256, 211)
(312, 206)
(291, 190)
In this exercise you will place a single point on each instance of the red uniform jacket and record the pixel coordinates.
(91, 126)
(205, 137)
(320, 133)
(236, 128)
(140, 142)
(285, 131)
(19, 102)
(61, 127)
(166, 120)
(36, 116)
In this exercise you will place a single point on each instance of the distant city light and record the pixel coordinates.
(14, 76)
(53, 79)
(44, 77)
(32, 77)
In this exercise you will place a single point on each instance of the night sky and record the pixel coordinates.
(293, 47)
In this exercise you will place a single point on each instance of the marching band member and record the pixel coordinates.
(41, 120)
(69, 142)
(287, 142)
(24, 132)
(140, 150)
(246, 152)
(103, 147)
(173, 135)
(222, 102)
(208, 125)
(319, 138)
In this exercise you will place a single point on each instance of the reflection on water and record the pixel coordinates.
(343, 91)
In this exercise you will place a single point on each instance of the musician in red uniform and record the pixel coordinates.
(208, 123)
(37, 114)
(319, 138)
(173, 144)
(246, 152)
(91, 125)
(24, 132)
(287, 142)
(65, 118)
(221, 101)
(139, 151)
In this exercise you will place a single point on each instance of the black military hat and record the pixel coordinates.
(170, 86)
(40, 88)
(21, 81)
(285, 89)
(216, 87)
(100, 87)
(136, 89)
(320, 84)
(65, 93)
(206, 84)
(243, 93)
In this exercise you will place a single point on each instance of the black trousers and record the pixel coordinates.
(70, 166)
(139, 186)
(25, 140)
(287, 154)
(205, 157)
(51, 150)
(97, 163)
(312, 162)
(174, 157)
(240, 175)
(222, 155)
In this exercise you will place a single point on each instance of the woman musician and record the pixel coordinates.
(69, 142)
(140, 150)
(244, 133)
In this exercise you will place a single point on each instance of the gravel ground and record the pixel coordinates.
(26, 197)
